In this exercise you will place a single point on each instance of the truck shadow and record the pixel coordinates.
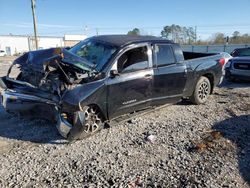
(237, 130)
(37, 131)
(184, 102)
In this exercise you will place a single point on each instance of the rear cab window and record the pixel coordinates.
(163, 55)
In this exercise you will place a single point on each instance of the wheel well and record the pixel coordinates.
(99, 109)
(210, 77)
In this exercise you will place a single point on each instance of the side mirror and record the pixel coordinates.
(113, 73)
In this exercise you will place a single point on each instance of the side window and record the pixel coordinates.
(244, 52)
(164, 55)
(133, 60)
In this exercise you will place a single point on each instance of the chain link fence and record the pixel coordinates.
(213, 48)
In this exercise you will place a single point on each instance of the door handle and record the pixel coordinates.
(148, 75)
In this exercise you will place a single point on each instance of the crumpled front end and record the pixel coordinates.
(35, 107)
(42, 80)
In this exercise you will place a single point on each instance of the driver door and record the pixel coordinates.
(130, 90)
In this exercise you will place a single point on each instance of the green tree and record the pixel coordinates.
(188, 35)
(179, 34)
(245, 38)
(218, 38)
(172, 32)
(135, 32)
(167, 32)
(236, 34)
(236, 38)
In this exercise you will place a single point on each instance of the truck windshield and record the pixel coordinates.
(95, 52)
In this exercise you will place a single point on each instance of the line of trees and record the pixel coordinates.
(179, 34)
(235, 38)
(188, 35)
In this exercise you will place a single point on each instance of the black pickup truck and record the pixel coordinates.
(106, 79)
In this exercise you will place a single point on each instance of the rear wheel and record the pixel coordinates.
(86, 123)
(202, 91)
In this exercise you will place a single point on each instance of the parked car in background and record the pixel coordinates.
(239, 52)
(2, 53)
(107, 79)
(238, 68)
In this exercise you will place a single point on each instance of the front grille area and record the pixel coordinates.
(242, 66)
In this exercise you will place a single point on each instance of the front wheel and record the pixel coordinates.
(202, 91)
(86, 123)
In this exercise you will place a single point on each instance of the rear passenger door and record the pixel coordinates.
(169, 75)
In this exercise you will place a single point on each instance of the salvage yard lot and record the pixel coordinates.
(206, 145)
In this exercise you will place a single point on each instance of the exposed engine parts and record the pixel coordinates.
(54, 75)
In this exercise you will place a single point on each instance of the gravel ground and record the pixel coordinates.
(192, 146)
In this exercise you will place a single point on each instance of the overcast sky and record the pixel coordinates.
(59, 17)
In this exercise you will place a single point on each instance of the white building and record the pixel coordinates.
(16, 44)
(71, 40)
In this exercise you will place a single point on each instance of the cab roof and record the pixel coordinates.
(122, 40)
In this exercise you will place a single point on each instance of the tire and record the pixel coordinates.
(202, 91)
(86, 123)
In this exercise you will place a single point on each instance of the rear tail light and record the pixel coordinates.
(222, 61)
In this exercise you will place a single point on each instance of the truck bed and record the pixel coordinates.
(194, 55)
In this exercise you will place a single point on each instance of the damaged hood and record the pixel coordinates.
(37, 60)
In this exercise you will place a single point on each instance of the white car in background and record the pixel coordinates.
(2, 53)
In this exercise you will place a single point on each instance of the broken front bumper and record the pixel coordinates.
(34, 106)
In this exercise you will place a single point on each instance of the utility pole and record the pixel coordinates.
(85, 29)
(97, 31)
(195, 30)
(33, 6)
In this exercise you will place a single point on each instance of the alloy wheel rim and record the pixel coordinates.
(92, 120)
(203, 91)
